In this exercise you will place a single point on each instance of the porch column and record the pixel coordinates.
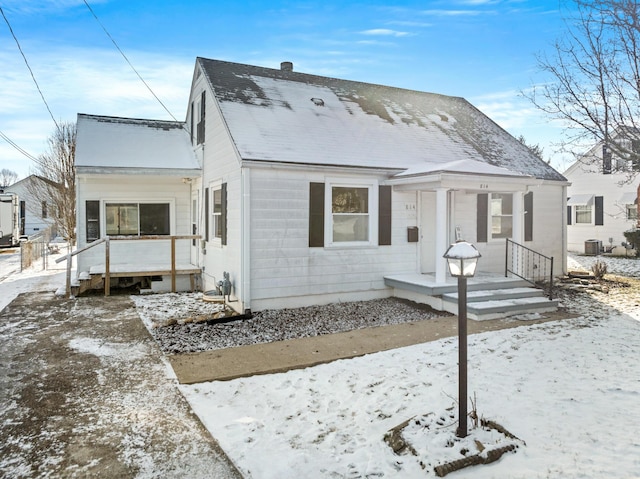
(518, 217)
(517, 234)
(441, 234)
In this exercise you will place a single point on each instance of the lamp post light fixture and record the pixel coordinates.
(462, 258)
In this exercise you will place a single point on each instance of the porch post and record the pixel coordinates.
(518, 217)
(441, 234)
(517, 234)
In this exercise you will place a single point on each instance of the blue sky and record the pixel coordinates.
(482, 50)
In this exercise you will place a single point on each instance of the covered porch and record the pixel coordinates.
(464, 200)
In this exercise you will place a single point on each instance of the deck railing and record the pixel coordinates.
(107, 260)
(529, 265)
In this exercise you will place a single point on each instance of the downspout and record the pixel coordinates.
(564, 230)
(245, 237)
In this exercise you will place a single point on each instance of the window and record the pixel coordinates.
(501, 215)
(583, 214)
(350, 214)
(44, 209)
(136, 219)
(356, 214)
(219, 213)
(632, 212)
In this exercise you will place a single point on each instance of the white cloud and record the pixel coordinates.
(385, 32)
(82, 80)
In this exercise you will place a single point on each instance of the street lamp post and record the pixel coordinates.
(462, 258)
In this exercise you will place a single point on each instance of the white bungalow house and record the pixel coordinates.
(35, 216)
(308, 190)
(602, 203)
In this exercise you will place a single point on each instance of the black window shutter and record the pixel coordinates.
(482, 220)
(191, 123)
(599, 211)
(203, 110)
(206, 214)
(93, 220)
(568, 214)
(528, 216)
(223, 214)
(384, 215)
(316, 215)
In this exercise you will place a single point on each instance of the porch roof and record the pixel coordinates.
(629, 198)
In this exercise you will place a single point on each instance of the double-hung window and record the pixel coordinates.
(583, 214)
(501, 215)
(218, 213)
(137, 219)
(350, 214)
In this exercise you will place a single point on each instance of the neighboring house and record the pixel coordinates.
(308, 190)
(35, 215)
(602, 204)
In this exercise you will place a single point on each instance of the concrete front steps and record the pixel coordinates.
(500, 303)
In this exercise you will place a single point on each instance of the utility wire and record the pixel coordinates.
(17, 147)
(127, 60)
(29, 67)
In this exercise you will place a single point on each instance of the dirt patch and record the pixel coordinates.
(85, 393)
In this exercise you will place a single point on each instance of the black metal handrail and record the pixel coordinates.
(529, 265)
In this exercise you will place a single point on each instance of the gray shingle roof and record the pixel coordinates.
(287, 116)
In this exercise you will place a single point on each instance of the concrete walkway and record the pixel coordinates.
(231, 363)
(85, 392)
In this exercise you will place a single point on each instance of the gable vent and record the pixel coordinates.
(286, 66)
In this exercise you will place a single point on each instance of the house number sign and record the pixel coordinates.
(484, 186)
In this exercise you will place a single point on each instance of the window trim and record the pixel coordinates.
(222, 216)
(372, 186)
(490, 216)
(138, 201)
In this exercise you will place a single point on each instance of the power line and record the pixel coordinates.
(127, 60)
(29, 67)
(17, 147)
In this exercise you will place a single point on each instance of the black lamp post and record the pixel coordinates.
(462, 258)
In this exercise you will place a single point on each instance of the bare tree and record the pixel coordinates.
(595, 89)
(7, 177)
(57, 191)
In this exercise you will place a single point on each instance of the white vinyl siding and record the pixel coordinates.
(286, 272)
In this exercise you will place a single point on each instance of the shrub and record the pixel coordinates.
(599, 269)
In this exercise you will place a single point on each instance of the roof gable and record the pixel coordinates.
(279, 115)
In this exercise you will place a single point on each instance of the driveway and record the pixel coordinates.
(85, 392)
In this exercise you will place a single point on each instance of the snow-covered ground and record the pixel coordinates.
(569, 389)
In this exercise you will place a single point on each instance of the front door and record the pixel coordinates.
(427, 232)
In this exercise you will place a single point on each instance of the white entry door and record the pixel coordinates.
(427, 232)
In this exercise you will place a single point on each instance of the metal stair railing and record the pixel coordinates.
(529, 265)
